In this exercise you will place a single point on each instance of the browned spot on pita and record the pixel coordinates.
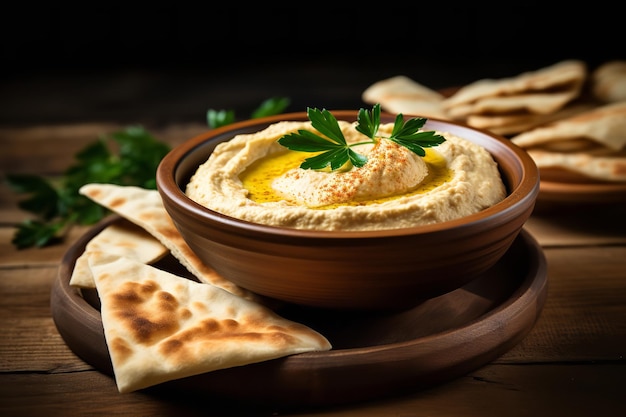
(148, 323)
(118, 202)
(94, 194)
(121, 349)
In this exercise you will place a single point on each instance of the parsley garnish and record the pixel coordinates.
(269, 107)
(336, 152)
(57, 205)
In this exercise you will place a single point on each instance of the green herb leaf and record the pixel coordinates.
(219, 118)
(57, 206)
(408, 135)
(34, 233)
(43, 200)
(336, 153)
(368, 122)
(269, 107)
(306, 141)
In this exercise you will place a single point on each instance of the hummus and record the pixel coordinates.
(253, 178)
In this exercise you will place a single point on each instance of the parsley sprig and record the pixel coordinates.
(126, 157)
(335, 152)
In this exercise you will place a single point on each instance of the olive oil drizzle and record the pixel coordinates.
(258, 177)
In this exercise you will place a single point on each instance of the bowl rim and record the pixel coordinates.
(524, 194)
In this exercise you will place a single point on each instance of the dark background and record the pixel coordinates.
(169, 63)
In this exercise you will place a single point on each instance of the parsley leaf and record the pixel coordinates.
(408, 135)
(269, 107)
(36, 233)
(57, 205)
(43, 197)
(219, 118)
(335, 152)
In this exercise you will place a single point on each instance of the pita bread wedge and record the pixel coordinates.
(512, 124)
(598, 166)
(411, 107)
(124, 239)
(606, 125)
(400, 94)
(608, 82)
(145, 208)
(565, 76)
(399, 86)
(536, 103)
(160, 327)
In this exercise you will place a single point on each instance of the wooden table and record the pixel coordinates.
(571, 364)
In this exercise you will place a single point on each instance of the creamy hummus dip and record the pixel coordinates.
(252, 177)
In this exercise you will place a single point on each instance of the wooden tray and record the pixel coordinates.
(373, 355)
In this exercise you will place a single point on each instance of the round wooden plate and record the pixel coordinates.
(562, 186)
(374, 355)
(587, 193)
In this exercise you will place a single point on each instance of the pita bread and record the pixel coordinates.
(566, 76)
(608, 82)
(125, 239)
(537, 103)
(512, 124)
(400, 94)
(145, 208)
(573, 145)
(399, 86)
(411, 107)
(160, 327)
(597, 166)
(605, 125)
(591, 144)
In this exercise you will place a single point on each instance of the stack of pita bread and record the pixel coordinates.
(515, 104)
(504, 106)
(159, 326)
(591, 145)
(569, 119)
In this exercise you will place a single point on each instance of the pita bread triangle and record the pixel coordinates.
(598, 166)
(401, 94)
(159, 326)
(125, 239)
(567, 75)
(608, 81)
(515, 123)
(537, 103)
(605, 125)
(399, 86)
(145, 208)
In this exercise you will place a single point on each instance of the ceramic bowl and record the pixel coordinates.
(366, 270)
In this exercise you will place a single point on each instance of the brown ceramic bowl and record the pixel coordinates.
(365, 270)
